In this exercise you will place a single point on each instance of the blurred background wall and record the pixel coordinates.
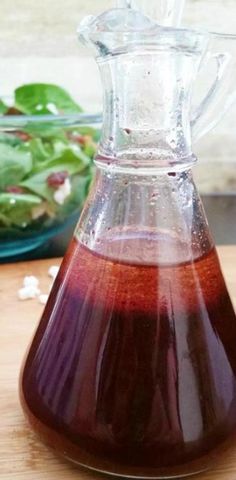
(38, 43)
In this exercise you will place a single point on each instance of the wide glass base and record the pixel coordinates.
(124, 382)
(140, 477)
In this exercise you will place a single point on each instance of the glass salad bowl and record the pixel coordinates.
(46, 165)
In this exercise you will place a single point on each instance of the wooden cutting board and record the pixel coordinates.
(22, 455)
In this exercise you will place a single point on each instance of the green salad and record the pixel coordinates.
(45, 169)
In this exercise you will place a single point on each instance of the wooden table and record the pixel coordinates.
(22, 456)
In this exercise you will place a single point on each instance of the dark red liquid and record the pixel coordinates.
(133, 367)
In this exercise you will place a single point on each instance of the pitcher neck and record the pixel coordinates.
(147, 97)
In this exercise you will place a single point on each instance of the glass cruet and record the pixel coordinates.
(132, 370)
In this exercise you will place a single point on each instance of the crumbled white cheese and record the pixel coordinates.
(43, 298)
(53, 271)
(30, 281)
(62, 192)
(53, 109)
(30, 288)
(26, 293)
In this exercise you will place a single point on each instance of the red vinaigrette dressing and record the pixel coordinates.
(133, 366)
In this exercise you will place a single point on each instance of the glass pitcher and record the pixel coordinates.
(132, 370)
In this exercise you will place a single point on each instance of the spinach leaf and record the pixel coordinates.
(55, 146)
(10, 139)
(43, 98)
(72, 161)
(4, 220)
(9, 199)
(80, 187)
(92, 132)
(38, 183)
(3, 107)
(16, 209)
(45, 129)
(90, 149)
(14, 165)
(38, 150)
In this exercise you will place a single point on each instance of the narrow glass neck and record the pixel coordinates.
(147, 95)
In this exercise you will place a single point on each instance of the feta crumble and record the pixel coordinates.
(30, 281)
(29, 292)
(62, 192)
(30, 288)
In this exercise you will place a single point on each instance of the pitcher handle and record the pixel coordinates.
(221, 94)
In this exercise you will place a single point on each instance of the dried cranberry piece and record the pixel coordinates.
(13, 111)
(14, 189)
(56, 179)
(24, 136)
(80, 139)
(77, 138)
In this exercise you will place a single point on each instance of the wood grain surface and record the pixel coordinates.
(22, 455)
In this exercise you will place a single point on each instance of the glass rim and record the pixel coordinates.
(65, 120)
